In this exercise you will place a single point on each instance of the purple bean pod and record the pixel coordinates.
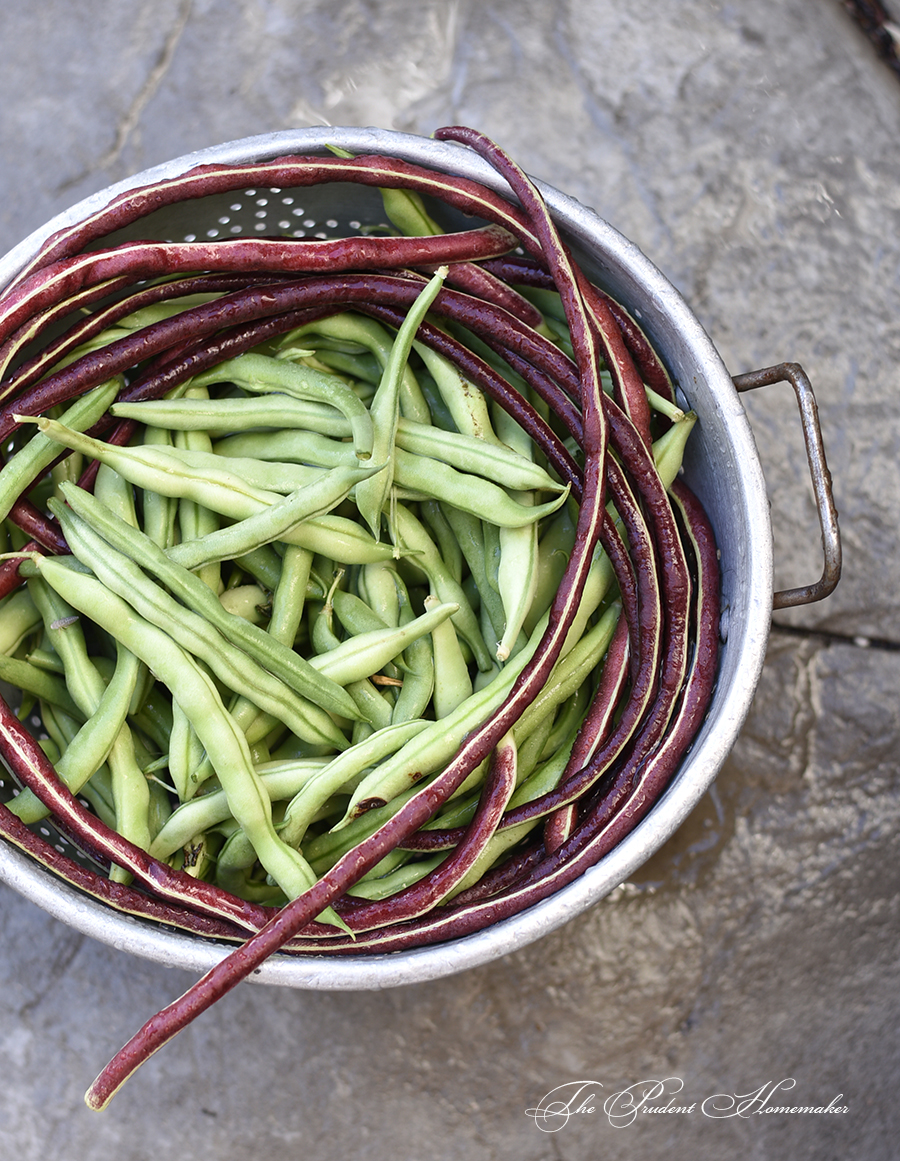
(283, 173)
(523, 271)
(595, 729)
(479, 743)
(472, 278)
(35, 524)
(100, 886)
(149, 259)
(94, 324)
(260, 302)
(31, 331)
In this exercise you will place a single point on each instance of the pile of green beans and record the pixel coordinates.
(352, 584)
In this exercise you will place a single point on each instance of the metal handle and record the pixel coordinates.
(794, 374)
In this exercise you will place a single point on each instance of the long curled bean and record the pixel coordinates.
(524, 755)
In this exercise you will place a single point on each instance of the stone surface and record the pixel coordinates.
(750, 150)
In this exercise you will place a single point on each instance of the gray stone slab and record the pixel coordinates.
(750, 150)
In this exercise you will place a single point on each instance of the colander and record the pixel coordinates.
(722, 468)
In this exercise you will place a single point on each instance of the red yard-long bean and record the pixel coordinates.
(639, 707)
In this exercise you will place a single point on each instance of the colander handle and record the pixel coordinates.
(794, 374)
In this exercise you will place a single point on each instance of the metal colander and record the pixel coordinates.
(722, 467)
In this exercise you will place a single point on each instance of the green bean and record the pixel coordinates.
(570, 672)
(554, 548)
(50, 749)
(466, 453)
(667, 407)
(354, 614)
(452, 683)
(371, 494)
(199, 857)
(144, 683)
(98, 790)
(418, 682)
(115, 493)
(321, 634)
(90, 747)
(229, 663)
(186, 754)
(428, 751)
(492, 556)
(39, 453)
(517, 572)
(271, 650)
(259, 471)
(381, 590)
(383, 585)
(282, 519)
(282, 781)
(159, 513)
(37, 682)
(360, 366)
(600, 580)
(344, 539)
(162, 469)
(245, 601)
(413, 537)
(131, 797)
(241, 413)
(343, 772)
(151, 468)
(235, 865)
(263, 374)
(195, 520)
(427, 477)
(263, 563)
(434, 519)
(406, 210)
(373, 707)
(289, 595)
(376, 338)
(60, 726)
(153, 716)
(466, 404)
(197, 694)
(469, 533)
(382, 886)
(531, 747)
(668, 450)
(279, 519)
(46, 659)
(365, 654)
(456, 811)
(567, 717)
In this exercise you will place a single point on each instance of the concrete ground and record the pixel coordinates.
(750, 149)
